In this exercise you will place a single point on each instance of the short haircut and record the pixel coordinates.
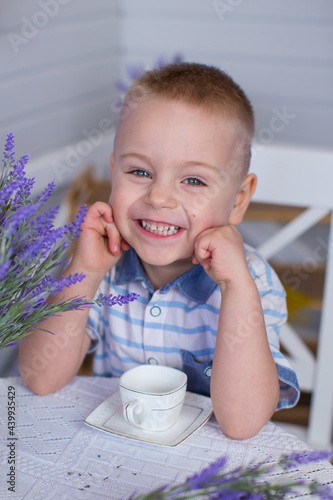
(204, 86)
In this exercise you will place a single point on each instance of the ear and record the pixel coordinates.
(243, 199)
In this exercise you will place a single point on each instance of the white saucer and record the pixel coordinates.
(108, 416)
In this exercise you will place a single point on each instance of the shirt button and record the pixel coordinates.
(152, 361)
(155, 311)
(208, 371)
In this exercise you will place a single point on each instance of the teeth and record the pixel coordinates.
(161, 230)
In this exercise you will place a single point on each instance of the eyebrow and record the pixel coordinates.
(190, 163)
(136, 155)
(201, 164)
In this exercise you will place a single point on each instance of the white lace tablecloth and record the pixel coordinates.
(58, 456)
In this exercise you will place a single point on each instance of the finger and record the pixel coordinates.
(124, 245)
(207, 266)
(194, 260)
(113, 237)
(101, 210)
(202, 253)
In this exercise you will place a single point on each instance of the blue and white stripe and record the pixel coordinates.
(181, 316)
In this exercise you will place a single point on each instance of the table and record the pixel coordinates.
(60, 457)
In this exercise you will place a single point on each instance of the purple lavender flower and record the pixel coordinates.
(5, 195)
(135, 71)
(74, 229)
(304, 457)
(112, 300)
(31, 248)
(243, 483)
(19, 218)
(45, 195)
(203, 477)
(9, 146)
(24, 191)
(120, 85)
(49, 285)
(4, 269)
(44, 222)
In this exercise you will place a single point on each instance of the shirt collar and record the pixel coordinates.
(129, 269)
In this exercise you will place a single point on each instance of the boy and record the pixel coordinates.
(180, 185)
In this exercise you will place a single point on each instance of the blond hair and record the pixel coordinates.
(199, 85)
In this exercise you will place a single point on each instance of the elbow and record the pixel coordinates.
(36, 382)
(41, 390)
(41, 384)
(240, 432)
(38, 386)
(243, 425)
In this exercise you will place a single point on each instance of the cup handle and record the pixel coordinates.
(130, 410)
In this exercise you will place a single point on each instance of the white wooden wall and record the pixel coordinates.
(59, 60)
(58, 63)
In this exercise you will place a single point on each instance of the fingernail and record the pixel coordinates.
(116, 248)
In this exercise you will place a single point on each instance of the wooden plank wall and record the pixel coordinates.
(59, 60)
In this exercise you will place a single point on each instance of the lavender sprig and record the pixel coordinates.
(242, 483)
(112, 300)
(31, 250)
(135, 71)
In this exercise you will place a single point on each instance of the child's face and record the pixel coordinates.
(171, 170)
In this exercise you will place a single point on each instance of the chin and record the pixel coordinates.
(155, 259)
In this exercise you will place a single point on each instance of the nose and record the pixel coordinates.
(161, 195)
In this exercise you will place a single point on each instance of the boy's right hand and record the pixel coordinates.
(100, 245)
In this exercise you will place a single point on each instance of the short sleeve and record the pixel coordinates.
(92, 328)
(198, 374)
(273, 301)
(95, 323)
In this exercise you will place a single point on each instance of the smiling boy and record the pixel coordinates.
(208, 304)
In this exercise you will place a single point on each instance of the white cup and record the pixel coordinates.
(152, 396)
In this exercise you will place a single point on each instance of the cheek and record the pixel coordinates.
(117, 204)
(113, 201)
(207, 204)
(208, 199)
(111, 197)
(117, 196)
(208, 212)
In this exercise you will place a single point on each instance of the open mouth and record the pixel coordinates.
(158, 228)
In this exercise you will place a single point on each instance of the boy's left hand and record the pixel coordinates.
(220, 250)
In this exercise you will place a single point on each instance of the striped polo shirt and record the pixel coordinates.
(176, 325)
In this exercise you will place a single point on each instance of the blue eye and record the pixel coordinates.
(139, 173)
(193, 181)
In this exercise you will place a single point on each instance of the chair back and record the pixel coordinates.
(304, 178)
